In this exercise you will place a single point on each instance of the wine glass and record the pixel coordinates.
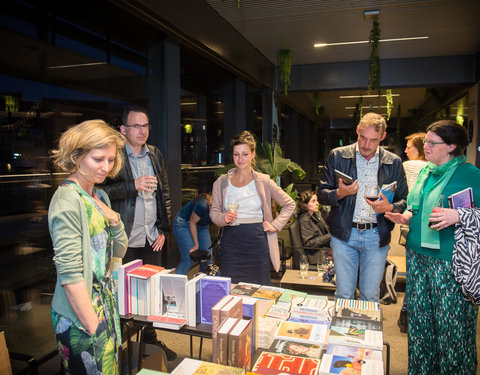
(303, 266)
(437, 208)
(233, 206)
(371, 193)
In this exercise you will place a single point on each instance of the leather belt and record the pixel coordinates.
(364, 226)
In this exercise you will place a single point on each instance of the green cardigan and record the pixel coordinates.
(69, 229)
(466, 175)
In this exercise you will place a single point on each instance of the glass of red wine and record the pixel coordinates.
(437, 208)
(371, 193)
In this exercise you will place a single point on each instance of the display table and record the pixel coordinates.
(312, 279)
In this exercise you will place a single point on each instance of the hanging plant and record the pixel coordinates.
(389, 103)
(284, 58)
(374, 65)
(316, 102)
(357, 114)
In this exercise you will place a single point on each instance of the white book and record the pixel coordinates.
(172, 295)
(334, 364)
(356, 337)
(192, 293)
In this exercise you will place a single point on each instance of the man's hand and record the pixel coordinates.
(158, 244)
(344, 190)
(146, 183)
(381, 206)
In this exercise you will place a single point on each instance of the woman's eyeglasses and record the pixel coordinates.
(430, 143)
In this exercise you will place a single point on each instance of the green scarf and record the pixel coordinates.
(431, 238)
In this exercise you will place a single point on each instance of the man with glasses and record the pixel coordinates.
(360, 233)
(141, 195)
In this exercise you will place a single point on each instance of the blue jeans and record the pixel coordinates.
(181, 231)
(362, 252)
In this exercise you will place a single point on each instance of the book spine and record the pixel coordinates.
(215, 326)
(222, 349)
(233, 346)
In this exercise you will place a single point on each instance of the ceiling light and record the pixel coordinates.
(367, 106)
(363, 96)
(371, 14)
(317, 45)
(76, 65)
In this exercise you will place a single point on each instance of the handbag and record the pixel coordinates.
(402, 240)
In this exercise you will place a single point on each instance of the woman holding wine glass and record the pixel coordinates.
(250, 244)
(441, 323)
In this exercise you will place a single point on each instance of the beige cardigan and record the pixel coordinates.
(266, 190)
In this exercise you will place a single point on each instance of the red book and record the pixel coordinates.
(270, 363)
(146, 271)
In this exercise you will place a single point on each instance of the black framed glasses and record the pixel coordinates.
(138, 126)
(430, 143)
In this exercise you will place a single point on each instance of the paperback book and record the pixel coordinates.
(173, 321)
(250, 311)
(354, 352)
(461, 199)
(357, 323)
(302, 332)
(272, 363)
(287, 347)
(289, 295)
(192, 293)
(356, 337)
(123, 291)
(354, 313)
(268, 292)
(335, 364)
(267, 327)
(244, 289)
(196, 367)
(173, 293)
(357, 304)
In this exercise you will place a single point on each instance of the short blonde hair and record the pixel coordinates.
(375, 120)
(80, 139)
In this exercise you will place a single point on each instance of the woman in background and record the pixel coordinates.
(249, 241)
(86, 233)
(412, 167)
(441, 323)
(313, 229)
(190, 228)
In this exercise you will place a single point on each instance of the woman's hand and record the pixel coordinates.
(112, 216)
(267, 227)
(398, 218)
(444, 218)
(194, 248)
(230, 216)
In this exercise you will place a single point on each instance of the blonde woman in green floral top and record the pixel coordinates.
(86, 233)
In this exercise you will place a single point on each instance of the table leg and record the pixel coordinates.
(200, 349)
(141, 349)
(191, 346)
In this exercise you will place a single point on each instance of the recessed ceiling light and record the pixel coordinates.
(317, 45)
(363, 96)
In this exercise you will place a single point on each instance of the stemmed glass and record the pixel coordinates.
(371, 193)
(233, 206)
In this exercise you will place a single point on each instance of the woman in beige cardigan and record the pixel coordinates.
(249, 241)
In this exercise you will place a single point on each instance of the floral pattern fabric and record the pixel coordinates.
(81, 352)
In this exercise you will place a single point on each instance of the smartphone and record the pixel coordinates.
(347, 180)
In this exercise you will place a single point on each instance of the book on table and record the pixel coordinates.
(222, 341)
(244, 289)
(335, 364)
(196, 367)
(288, 295)
(173, 321)
(123, 291)
(355, 313)
(357, 304)
(461, 199)
(365, 338)
(212, 290)
(216, 323)
(250, 311)
(227, 307)
(354, 352)
(302, 332)
(372, 325)
(268, 292)
(310, 310)
(140, 286)
(192, 293)
(272, 363)
(287, 347)
(240, 344)
(265, 334)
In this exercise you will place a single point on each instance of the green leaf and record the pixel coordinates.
(296, 170)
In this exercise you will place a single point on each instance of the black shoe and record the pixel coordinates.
(171, 355)
(402, 321)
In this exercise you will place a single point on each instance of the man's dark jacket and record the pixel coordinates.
(122, 193)
(341, 215)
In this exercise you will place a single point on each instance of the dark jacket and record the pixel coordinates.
(122, 193)
(341, 214)
(314, 230)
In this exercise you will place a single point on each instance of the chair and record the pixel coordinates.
(315, 254)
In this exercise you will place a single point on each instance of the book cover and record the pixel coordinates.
(250, 312)
(173, 293)
(335, 364)
(355, 313)
(288, 295)
(287, 347)
(216, 323)
(357, 323)
(347, 180)
(222, 341)
(462, 199)
(357, 304)
(354, 351)
(123, 291)
(240, 344)
(232, 309)
(212, 290)
(302, 332)
(271, 363)
(312, 310)
(145, 271)
(356, 337)
(196, 367)
(265, 333)
(192, 293)
(244, 289)
(279, 311)
(268, 292)
(388, 190)
(173, 321)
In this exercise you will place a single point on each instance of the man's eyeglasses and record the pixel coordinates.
(430, 143)
(138, 126)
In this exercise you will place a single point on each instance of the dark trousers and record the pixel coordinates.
(148, 256)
